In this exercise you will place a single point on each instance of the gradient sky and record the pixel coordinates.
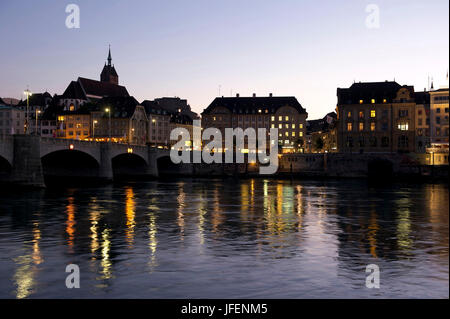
(190, 48)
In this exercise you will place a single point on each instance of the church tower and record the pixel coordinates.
(109, 73)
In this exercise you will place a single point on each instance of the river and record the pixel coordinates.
(213, 238)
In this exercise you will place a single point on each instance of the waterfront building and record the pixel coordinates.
(37, 104)
(74, 124)
(422, 121)
(164, 115)
(439, 116)
(376, 117)
(12, 120)
(158, 127)
(321, 136)
(439, 150)
(284, 113)
(119, 119)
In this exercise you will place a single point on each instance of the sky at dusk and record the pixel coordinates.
(190, 49)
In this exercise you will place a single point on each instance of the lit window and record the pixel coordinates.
(273, 126)
(287, 134)
(214, 118)
(301, 134)
(349, 127)
(287, 118)
(293, 134)
(349, 114)
(361, 114)
(361, 101)
(301, 125)
(373, 113)
(259, 111)
(280, 126)
(287, 125)
(403, 126)
(293, 126)
(280, 118)
(273, 118)
(372, 127)
(384, 100)
(373, 101)
(361, 126)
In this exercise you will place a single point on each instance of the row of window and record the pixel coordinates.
(9, 115)
(438, 110)
(293, 134)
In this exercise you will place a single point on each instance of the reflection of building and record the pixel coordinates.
(321, 135)
(284, 113)
(12, 120)
(376, 117)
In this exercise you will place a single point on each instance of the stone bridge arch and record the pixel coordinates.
(51, 145)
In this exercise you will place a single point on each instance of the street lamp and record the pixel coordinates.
(28, 94)
(131, 136)
(107, 110)
(93, 130)
(37, 115)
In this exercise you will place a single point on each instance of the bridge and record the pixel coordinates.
(28, 160)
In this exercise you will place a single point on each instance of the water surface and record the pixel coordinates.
(226, 239)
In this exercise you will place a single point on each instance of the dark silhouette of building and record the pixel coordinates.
(109, 73)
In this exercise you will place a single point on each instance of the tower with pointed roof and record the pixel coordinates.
(109, 73)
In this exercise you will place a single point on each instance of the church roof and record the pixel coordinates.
(97, 89)
(109, 69)
(74, 91)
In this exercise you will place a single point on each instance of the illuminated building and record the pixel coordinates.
(376, 117)
(284, 113)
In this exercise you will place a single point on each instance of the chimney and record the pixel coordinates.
(254, 94)
(270, 94)
(237, 95)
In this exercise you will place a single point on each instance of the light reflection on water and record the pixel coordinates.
(213, 239)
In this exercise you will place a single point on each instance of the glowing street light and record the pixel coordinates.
(93, 129)
(37, 115)
(107, 110)
(28, 94)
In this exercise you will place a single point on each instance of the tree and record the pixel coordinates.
(318, 143)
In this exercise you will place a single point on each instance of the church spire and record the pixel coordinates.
(109, 56)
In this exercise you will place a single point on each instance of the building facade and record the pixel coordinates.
(376, 117)
(284, 113)
(439, 116)
(120, 120)
(422, 121)
(12, 120)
